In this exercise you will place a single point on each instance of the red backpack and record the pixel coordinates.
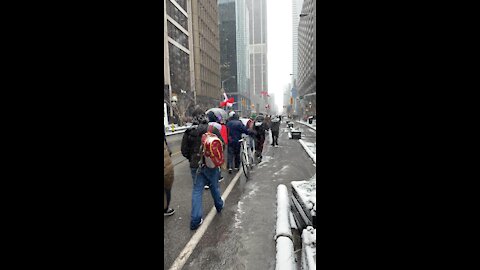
(212, 149)
(224, 133)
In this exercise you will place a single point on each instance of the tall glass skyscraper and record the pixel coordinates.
(257, 23)
(234, 52)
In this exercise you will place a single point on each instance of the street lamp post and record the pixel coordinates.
(223, 88)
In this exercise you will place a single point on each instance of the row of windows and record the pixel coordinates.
(207, 34)
(179, 68)
(177, 34)
(208, 89)
(177, 15)
(209, 13)
(205, 19)
(209, 76)
(206, 43)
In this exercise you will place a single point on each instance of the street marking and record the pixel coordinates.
(190, 246)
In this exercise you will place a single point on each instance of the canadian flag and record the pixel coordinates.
(228, 102)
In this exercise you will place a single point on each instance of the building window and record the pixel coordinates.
(177, 15)
(177, 35)
(179, 68)
(182, 3)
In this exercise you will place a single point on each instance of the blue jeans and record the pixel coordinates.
(206, 176)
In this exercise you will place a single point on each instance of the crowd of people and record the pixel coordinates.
(229, 131)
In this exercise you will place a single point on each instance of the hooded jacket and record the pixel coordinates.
(235, 130)
(275, 126)
(192, 140)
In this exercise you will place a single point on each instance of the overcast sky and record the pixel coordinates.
(279, 40)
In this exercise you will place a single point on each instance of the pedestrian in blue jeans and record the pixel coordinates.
(201, 175)
(204, 176)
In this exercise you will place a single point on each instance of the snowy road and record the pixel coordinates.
(242, 236)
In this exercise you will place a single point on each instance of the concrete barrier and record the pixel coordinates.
(309, 152)
(285, 259)
(178, 130)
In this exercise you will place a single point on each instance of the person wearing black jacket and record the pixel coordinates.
(201, 175)
(259, 127)
(275, 127)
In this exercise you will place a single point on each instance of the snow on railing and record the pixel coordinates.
(309, 248)
(285, 259)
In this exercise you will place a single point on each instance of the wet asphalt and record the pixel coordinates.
(242, 236)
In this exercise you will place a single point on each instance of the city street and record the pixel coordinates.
(242, 236)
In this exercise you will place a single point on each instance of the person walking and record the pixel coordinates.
(201, 174)
(268, 121)
(275, 127)
(235, 130)
(168, 177)
(250, 126)
(259, 127)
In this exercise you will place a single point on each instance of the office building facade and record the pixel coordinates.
(234, 64)
(206, 53)
(179, 88)
(296, 10)
(257, 24)
(306, 78)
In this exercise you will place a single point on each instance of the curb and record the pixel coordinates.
(309, 152)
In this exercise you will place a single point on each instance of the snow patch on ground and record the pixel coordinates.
(238, 215)
(253, 191)
(281, 170)
(240, 210)
(264, 162)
